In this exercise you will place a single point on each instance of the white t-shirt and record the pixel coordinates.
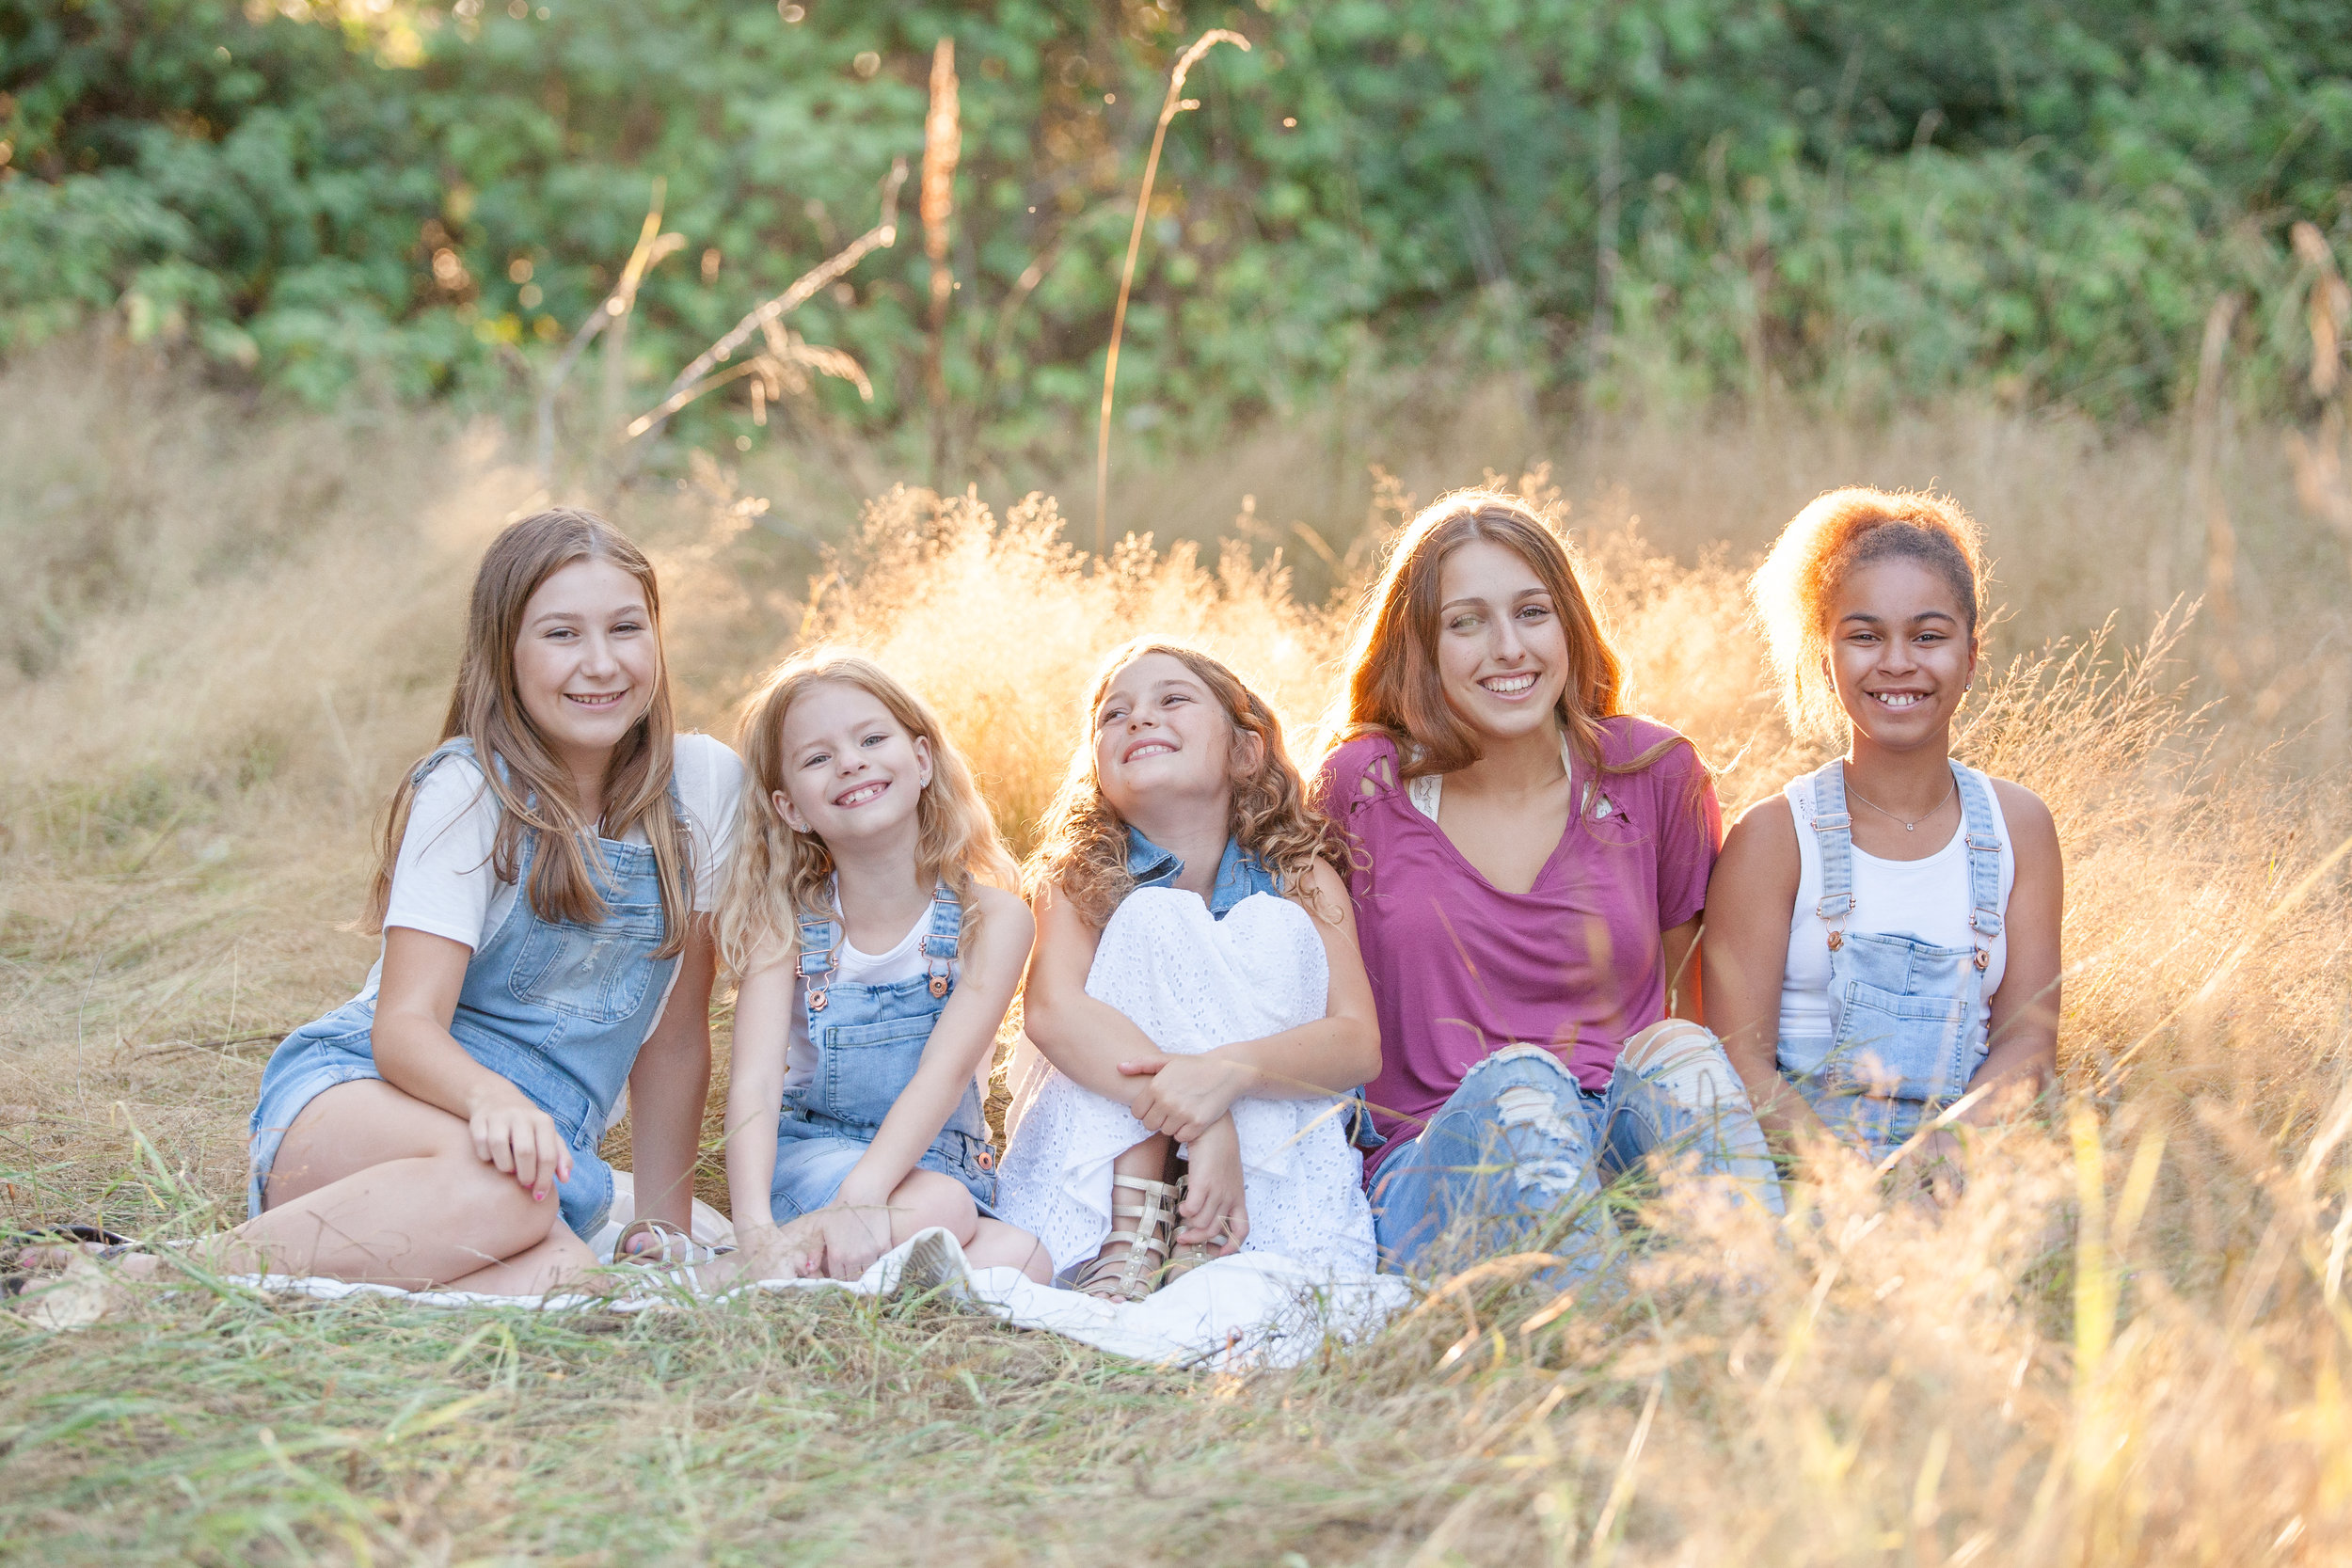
(443, 883)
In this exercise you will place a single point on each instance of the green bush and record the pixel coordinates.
(1861, 201)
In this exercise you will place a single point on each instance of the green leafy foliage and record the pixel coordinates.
(1866, 202)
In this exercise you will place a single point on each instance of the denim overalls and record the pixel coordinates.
(558, 1009)
(1905, 1035)
(869, 1041)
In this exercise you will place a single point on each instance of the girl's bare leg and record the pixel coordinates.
(554, 1263)
(371, 1184)
(996, 1244)
(927, 1198)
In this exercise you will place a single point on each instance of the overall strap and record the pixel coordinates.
(1834, 830)
(945, 937)
(456, 746)
(820, 945)
(1984, 860)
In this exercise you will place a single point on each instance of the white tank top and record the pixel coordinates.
(1926, 898)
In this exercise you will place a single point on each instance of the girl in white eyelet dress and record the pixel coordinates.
(1196, 991)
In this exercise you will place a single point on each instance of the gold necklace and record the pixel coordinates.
(1908, 827)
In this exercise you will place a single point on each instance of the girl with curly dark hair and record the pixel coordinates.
(1196, 990)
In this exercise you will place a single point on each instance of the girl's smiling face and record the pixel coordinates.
(1900, 652)
(850, 771)
(587, 660)
(1160, 735)
(1503, 658)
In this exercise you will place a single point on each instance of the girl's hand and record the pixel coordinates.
(1185, 1096)
(1936, 1168)
(855, 1236)
(520, 1139)
(796, 1251)
(1213, 1210)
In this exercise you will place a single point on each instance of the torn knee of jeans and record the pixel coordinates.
(1525, 1105)
(1553, 1179)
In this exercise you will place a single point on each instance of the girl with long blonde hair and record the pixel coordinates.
(544, 893)
(1196, 991)
(870, 918)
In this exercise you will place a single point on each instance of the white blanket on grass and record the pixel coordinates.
(1249, 1310)
(1252, 1310)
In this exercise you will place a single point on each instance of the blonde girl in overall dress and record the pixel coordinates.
(1196, 991)
(871, 921)
(1882, 934)
(542, 896)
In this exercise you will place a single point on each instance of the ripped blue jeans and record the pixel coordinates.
(1516, 1158)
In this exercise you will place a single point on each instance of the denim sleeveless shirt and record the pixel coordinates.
(1239, 872)
(557, 1008)
(1905, 1037)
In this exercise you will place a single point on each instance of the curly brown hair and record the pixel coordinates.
(1082, 850)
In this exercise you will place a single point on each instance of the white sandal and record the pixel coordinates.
(672, 1248)
(1135, 1274)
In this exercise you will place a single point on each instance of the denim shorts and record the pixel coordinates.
(815, 1154)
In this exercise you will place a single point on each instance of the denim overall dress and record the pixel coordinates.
(1905, 1035)
(558, 1009)
(869, 1041)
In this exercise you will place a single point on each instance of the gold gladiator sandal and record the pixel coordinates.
(1135, 1273)
(1185, 1256)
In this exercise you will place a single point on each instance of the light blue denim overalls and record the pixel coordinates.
(1903, 1013)
(869, 1040)
(558, 1009)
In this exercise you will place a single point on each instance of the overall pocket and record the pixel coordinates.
(598, 973)
(1893, 1046)
(868, 1065)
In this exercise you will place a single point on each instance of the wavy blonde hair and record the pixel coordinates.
(535, 793)
(1837, 532)
(778, 871)
(1082, 851)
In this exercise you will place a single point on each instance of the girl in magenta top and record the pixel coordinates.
(1531, 865)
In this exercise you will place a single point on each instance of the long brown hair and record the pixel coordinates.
(1393, 686)
(1083, 848)
(534, 791)
(1837, 532)
(779, 872)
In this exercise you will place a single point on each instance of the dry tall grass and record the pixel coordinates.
(2124, 1344)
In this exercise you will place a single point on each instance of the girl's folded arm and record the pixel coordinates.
(1338, 1050)
(2022, 1041)
(1186, 1095)
(1745, 949)
(1085, 1039)
(962, 1039)
(763, 1013)
(416, 999)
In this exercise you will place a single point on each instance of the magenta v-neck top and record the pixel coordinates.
(1461, 969)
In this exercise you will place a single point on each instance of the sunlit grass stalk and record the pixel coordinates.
(695, 379)
(1172, 106)
(612, 314)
